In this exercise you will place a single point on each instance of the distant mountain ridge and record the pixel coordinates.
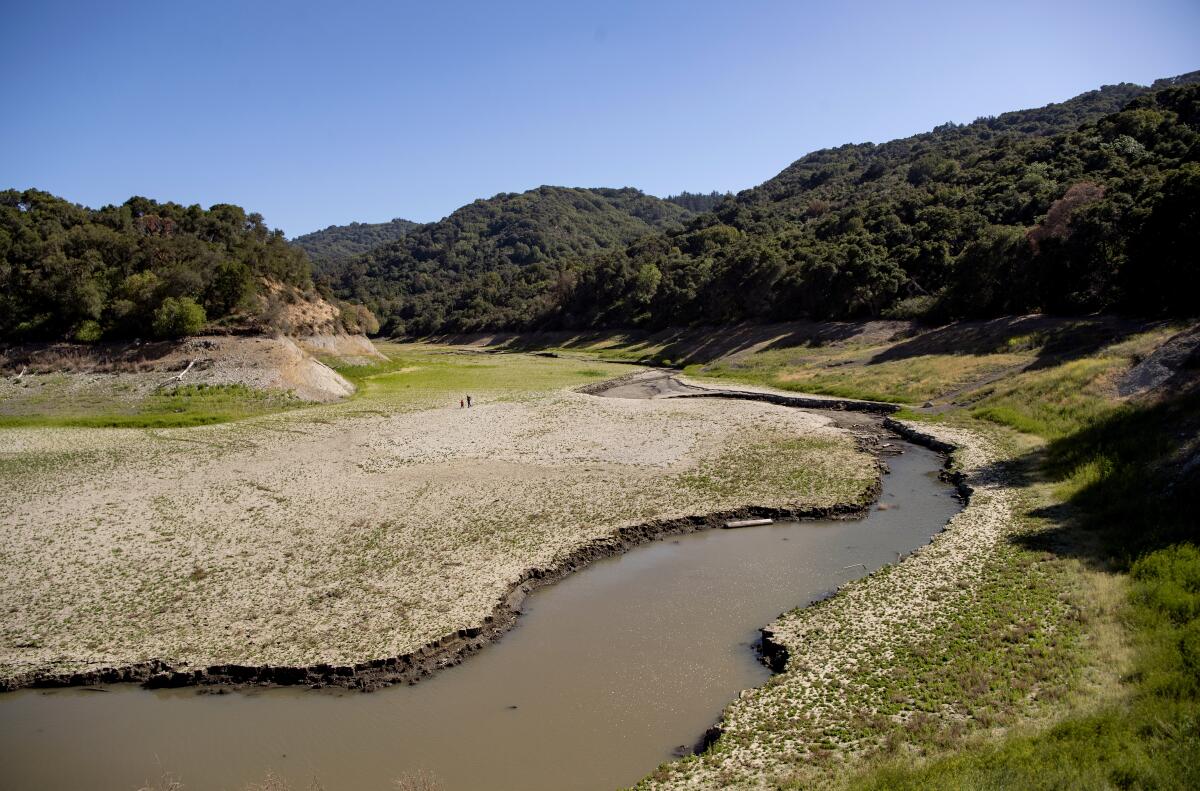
(496, 261)
(330, 246)
(1078, 206)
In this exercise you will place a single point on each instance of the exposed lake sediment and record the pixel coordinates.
(606, 673)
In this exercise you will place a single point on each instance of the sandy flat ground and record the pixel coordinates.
(342, 536)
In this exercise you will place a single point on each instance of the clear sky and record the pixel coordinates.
(323, 113)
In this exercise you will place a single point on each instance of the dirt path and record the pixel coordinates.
(657, 384)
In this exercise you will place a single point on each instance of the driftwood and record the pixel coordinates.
(179, 376)
(749, 522)
(23, 370)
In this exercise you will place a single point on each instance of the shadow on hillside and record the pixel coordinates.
(701, 345)
(710, 344)
(106, 357)
(1054, 340)
(1135, 481)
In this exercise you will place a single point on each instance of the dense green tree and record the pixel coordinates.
(698, 202)
(1166, 275)
(141, 268)
(175, 318)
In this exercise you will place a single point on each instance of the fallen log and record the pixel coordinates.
(178, 377)
(748, 522)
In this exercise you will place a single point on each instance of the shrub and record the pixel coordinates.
(178, 317)
(88, 332)
(913, 308)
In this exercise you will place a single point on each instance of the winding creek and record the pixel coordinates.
(606, 674)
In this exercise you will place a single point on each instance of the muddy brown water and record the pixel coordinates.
(604, 675)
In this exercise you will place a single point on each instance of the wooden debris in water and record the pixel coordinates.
(749, 522)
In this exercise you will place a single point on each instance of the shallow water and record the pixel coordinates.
(606, 672)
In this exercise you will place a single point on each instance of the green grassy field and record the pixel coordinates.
(58, 403)
(421, 375)
(415, 376)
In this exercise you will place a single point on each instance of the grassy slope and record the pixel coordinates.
(1101, 581)
(1106, 464)
(416, 376)
(420, 374)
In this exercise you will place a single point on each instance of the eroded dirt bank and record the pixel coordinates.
(128, 371)
(446, 651)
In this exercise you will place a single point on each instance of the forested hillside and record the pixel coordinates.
(989, 218)
(1086, 205)
(333, 245)
(497, 262)
(141, 269)
(699, 202)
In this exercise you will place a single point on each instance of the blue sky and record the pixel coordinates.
(315, 114)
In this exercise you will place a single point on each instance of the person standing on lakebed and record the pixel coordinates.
(468, 402)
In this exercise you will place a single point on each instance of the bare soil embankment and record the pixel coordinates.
(126, 372)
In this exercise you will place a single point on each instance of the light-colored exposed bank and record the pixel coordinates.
(353, 532)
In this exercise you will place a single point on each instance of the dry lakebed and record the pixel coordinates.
(375, 541)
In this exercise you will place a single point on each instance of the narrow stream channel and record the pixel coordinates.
(606, 672)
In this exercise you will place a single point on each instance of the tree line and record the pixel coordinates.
(499, 261)
(964, 222)
(1080, 206)
(141, 269)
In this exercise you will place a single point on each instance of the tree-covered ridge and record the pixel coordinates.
(139, 269)
(1073, 207)
(998, 216)
(698, 202)
(496, 262)
(333, 245)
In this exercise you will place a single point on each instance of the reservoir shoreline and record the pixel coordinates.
(860, 417)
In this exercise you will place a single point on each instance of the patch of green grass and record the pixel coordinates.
(182, 406)
(421, 375)
(1151, 740)
(1125, 475)
(1052, 402)
(849, 372)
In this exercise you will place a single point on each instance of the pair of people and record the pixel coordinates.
(466, 403)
